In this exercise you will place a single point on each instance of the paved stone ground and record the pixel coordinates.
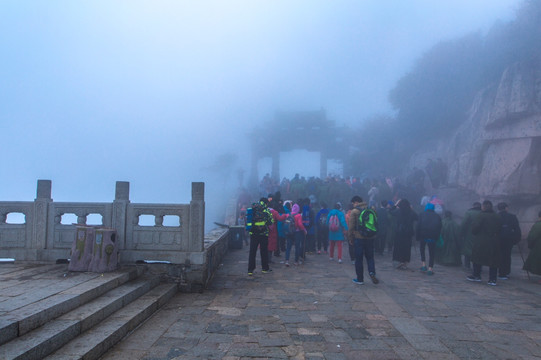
(315, 311)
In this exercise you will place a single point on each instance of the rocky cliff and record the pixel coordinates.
(495, 154)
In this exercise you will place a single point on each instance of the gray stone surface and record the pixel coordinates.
(315, 311)
(494, 153)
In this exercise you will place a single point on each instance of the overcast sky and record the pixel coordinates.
(92, 92)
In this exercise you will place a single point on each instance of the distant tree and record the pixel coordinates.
(223, 166)
(374, 151)
(434, 97)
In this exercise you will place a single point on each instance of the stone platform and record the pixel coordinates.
(315, 311)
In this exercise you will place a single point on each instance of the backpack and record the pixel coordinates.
(334, 223)
(257, 216)
(306, 217)
(248, 224)
(509, 232)
(289, 225)
(322, 221)
(368, 223)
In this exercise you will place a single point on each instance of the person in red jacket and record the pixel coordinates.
(273, 232)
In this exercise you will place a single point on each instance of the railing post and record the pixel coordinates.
(41, 210)
(120, 209)
(197, 217)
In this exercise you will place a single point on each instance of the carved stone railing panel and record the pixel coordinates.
(43, 236)
(158, 236)
(60, 236)
(16, 236)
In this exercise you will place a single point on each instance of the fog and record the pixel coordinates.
(155, 92)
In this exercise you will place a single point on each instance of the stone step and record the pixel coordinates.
(58, 299)
(54, 334)
(95, 342)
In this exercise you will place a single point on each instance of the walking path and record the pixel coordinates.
(315, 311)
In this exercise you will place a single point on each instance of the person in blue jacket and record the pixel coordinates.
(336, 235)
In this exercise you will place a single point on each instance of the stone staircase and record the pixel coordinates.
(79, 317)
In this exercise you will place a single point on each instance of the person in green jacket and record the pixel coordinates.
(466, 234)
(486, 228)
(533, 262)
(449, 253)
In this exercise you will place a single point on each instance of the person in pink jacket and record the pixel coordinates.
(273, 232)
(300, 233)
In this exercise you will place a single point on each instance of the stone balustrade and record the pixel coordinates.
(178, 251)
(44, 237)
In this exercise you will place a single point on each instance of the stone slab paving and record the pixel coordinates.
(315, 311)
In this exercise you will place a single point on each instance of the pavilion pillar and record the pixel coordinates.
(275, 171)
(323, 165)
(254, 177)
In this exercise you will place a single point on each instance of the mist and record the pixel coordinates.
(158, 93)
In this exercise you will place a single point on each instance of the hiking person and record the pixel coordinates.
(259, 223)
(383, 226)
(322, 229)
(533, 261)
(273, 232)
(373, 195)
(405, 218)
(288, 229)
(510, 235)
(466, 234)
(363, 243)
(428, 232)
(297, 237)
(486, 228)
(351, 247)
(309, 244)
(337, 226)
(449, 254)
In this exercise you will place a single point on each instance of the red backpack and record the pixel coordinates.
(334, 223)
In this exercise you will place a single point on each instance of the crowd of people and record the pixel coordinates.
(309, 226)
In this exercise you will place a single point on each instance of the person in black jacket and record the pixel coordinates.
(428, 232)
(510, 235)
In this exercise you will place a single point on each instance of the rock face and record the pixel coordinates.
(496, 152)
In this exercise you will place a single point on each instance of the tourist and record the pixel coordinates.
(466, 234)
(449, 253)
(363, 245)
(351, 247)
(259, 235)
(322, 229)
(299, 235)
(428, 232)
(486, 229)
(308, 219)
(533, 262)
(288, 229)
(373, 195)
(336, 231)
(281, 244)
(273, 231)
(383, 226)
(391, 229)
(510, 235)
(405, 218)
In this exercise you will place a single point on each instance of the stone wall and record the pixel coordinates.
(495, 154)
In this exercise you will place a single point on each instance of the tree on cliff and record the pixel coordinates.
(434, 97)
(439, 89)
